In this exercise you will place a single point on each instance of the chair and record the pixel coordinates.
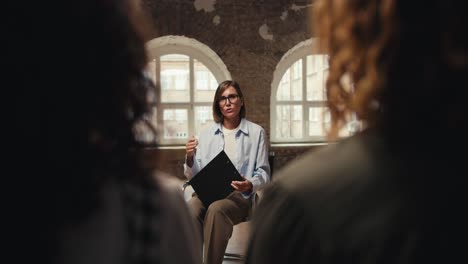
(237, 256)
(241, 257)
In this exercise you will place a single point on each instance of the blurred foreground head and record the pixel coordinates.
(75, 73)
(77, 70)
(407, 63)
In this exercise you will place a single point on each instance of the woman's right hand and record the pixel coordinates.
(190, 149)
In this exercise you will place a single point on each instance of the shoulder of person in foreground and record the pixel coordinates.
(177, 229)
(316, 200)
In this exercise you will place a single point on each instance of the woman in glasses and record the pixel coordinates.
(245, 144)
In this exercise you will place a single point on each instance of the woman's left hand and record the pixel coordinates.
(242, 186)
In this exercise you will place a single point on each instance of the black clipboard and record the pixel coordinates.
(213, 182)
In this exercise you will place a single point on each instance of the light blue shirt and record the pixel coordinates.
(251, 158)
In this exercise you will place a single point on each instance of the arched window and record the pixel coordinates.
(298, 98)
(186, 73)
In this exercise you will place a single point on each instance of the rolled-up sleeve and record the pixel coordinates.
(261, 173)
(190, 172)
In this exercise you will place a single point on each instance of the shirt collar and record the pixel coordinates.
(218, 128)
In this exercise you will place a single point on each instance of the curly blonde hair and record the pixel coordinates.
(355, 34)
(404, 61)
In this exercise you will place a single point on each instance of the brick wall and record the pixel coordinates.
(250, 36)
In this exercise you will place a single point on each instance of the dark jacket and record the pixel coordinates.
(362, 201)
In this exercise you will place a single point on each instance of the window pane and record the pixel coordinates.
(203, 117)
(205, 83)
(175, 124)
(175, 78)
(289, 121)
(290, 87)
(317, 71)
(296, 81)
(284, 92)
(319, 121)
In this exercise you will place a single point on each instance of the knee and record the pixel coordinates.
(196, 208)
(216, 209)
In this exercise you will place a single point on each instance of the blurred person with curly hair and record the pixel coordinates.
(393, 192)
(85, 194)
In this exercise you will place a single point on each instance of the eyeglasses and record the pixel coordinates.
(232, 98)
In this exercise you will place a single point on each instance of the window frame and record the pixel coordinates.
(195, 50)
(298, 52)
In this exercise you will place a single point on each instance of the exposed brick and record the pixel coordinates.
(250, 58)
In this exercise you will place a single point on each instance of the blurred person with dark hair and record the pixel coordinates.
(392, 193)
(79, 93)
(246, 146)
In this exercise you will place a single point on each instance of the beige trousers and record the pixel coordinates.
(216, 223)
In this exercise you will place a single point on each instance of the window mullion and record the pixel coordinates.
(191, 110)
(159, 108)
(305, 112)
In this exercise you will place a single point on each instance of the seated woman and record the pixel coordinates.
(245, 144)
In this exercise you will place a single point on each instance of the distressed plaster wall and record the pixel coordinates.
(250, 36)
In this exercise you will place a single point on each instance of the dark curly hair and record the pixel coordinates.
(77, 69)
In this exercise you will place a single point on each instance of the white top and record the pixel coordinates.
(230, 143)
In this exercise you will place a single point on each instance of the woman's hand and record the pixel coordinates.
(242, 186)
(190, 149)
